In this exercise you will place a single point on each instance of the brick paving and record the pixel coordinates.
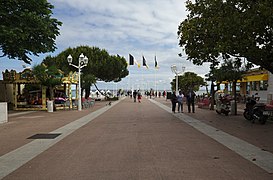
(135, 141)
(236, 125)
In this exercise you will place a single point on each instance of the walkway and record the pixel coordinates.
(123, 141)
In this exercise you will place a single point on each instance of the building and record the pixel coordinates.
(256, 81)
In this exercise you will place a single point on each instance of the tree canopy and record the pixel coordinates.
(101, 66)
(188, 81)
(49, 76)
(234, 28)
(27, 28)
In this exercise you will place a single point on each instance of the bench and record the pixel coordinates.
(204, 103)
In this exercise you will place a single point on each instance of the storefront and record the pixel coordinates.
(254, 82)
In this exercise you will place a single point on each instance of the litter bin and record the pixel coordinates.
(49, 106)
(3, 112)
(232, 107)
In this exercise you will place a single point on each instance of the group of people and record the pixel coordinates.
(137, 95)
(178, 99)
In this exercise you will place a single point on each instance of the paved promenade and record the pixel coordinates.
(134, 141)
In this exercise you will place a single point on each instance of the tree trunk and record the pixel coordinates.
(212, 96)
(51, 93)
(207, 90)
(235, 96)
(87, 92)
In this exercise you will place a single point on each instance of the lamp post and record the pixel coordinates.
(174, 70)
(83, 60)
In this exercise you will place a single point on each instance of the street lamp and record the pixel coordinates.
(83, 61)
(174, 70)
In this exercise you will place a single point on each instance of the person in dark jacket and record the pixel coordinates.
(174, 101)
(134, 95)
(190, 100)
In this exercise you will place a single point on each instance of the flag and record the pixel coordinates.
(138, 64)
(131, 59)
(156, 65)
(144, 62)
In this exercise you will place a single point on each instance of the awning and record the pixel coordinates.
(258, 77)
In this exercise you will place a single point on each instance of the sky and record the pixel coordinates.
(141, 28)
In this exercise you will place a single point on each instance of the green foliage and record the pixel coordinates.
(188, 81)
(48, 76)
(27, 28)
(234, 28)
(101, 66)
(230, 71)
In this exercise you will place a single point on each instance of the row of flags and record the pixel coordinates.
(132, 61)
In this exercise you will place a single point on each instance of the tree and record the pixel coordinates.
(231, 71)
(48, 76)
(27, 28)
(212, 76)
(188, 81)
(101, 66)
(234, 28)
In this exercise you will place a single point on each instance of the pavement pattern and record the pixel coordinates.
(127, 141)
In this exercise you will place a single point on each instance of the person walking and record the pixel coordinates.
(190, 100)
(174, 101)
(134, 95)
(180, 102)
(139, 96)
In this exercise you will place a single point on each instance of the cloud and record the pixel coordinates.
(143, 27)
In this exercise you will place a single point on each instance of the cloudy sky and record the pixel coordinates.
(143, 27)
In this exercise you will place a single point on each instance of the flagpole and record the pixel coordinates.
(155, 78)
(142, 79)
(155, 84)
(129, 84)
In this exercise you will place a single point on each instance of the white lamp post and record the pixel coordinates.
(174, 70)
(83, 61)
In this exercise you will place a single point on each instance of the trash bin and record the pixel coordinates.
(232, 107)
(3, 112)
(49, 106)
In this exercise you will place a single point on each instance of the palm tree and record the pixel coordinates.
(49, 77)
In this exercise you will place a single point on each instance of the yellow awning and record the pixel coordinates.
(258, 77)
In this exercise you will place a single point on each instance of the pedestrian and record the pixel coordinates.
(180, 97)
(174, 101)
(139, 96)
(134, 95)
(164, 94)
(190, 100)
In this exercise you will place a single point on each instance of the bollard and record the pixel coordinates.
(49, 106)
(3, 112)
(232, 107)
